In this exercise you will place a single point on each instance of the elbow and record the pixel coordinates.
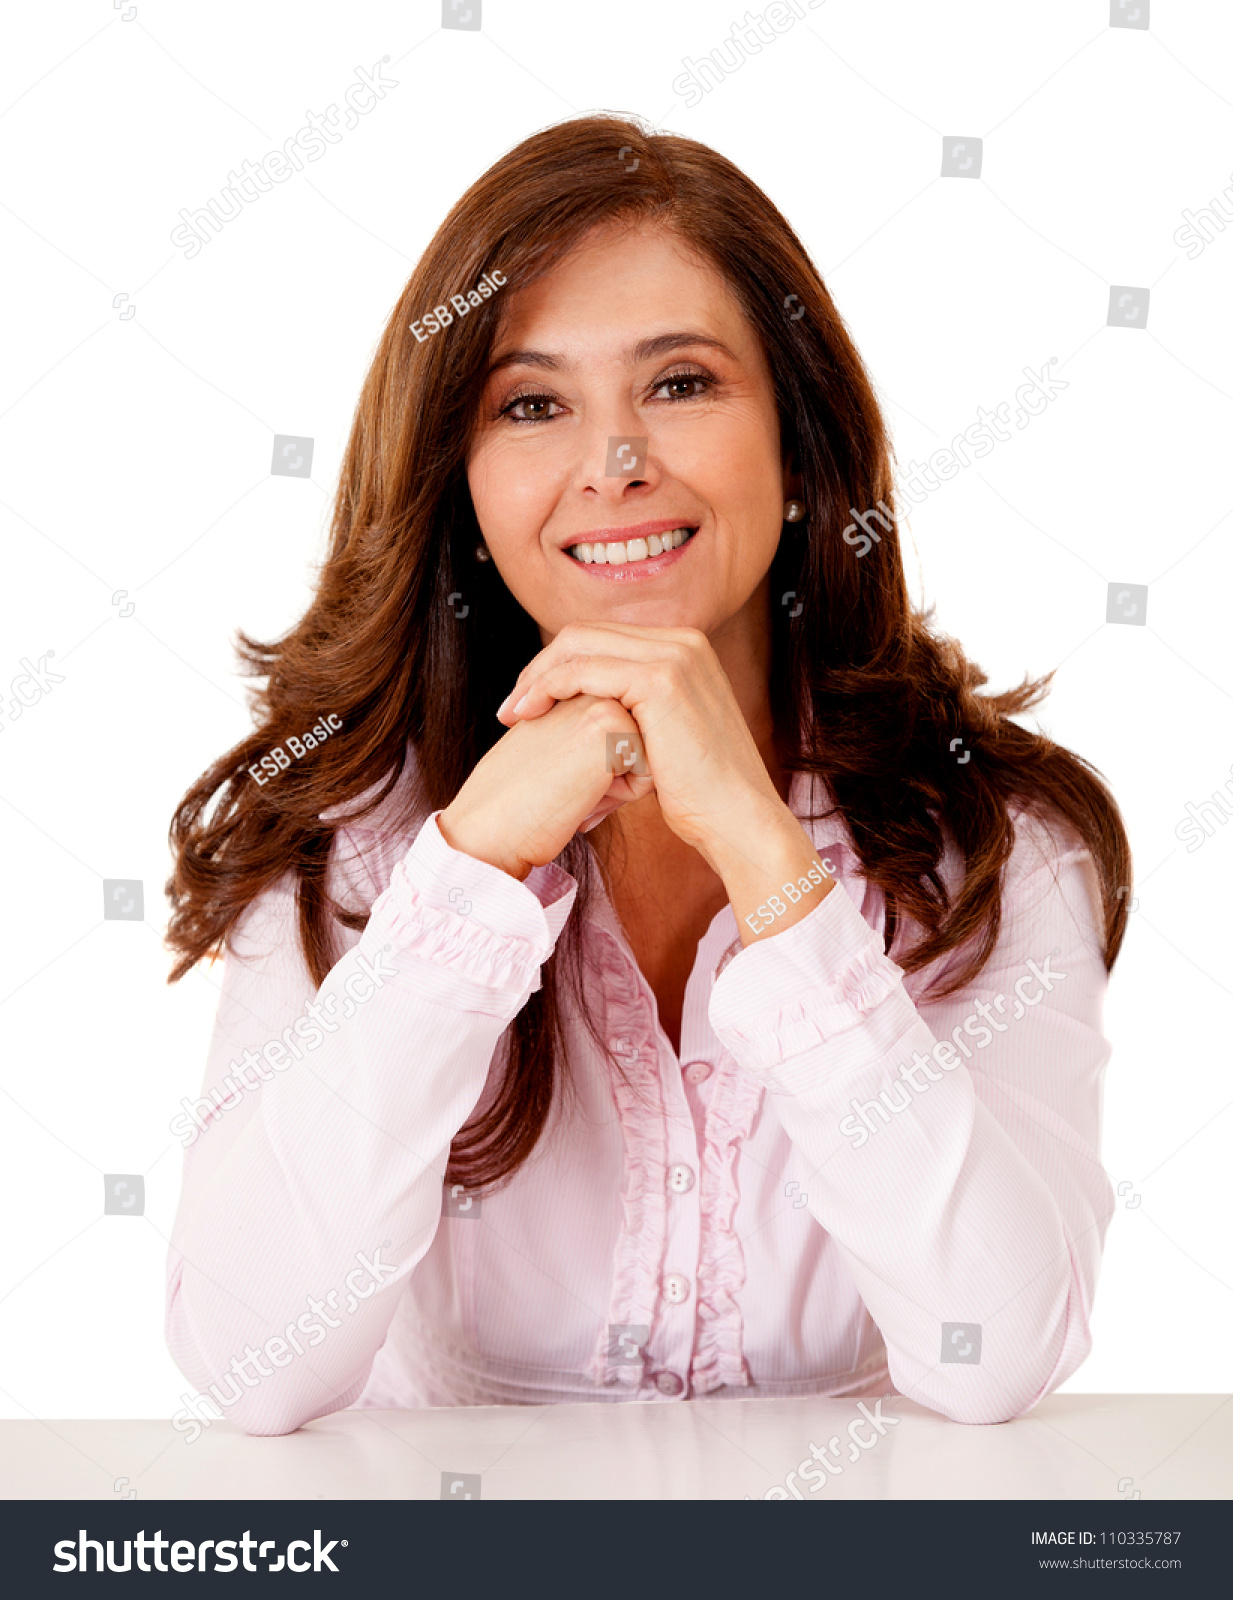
(975, 1410)
(974, 1395)
(271, 1423)
(252, 1401)
(257, 1415)
(979, 1411)
(980, 1404)
(994, 1391)
(262, 1408)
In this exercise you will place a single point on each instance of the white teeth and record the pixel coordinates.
(619, 552)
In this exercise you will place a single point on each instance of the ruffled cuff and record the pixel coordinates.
(448, 908)
(795, 990)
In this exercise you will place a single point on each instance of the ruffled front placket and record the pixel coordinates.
(733, 1103)
(639, 1254)
(718, 1358)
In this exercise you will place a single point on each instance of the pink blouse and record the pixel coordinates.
(839, 1187)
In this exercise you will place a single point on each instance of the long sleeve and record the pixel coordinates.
(315, 1157)
(952, 1146)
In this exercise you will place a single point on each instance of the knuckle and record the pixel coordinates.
(609, 714)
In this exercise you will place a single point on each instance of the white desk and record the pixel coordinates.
(1169, 1447)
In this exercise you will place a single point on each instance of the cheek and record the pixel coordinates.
(513, 499)
(736, 456)
(742, 478)
(506, 490)
(485, 473)
(747, 494)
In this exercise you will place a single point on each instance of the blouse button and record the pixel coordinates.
(697, 1072)
(676, 1288)
(623, 1047)
(669, 1382)
(680, 1178)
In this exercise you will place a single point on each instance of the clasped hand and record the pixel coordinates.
(709, 777)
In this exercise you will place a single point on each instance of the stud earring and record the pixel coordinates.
(482, 552)
(793, 511)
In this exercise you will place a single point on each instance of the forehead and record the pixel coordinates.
(613, 286)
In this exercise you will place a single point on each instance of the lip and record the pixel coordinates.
(630, 572)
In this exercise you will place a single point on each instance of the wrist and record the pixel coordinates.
(793, 900)
(771, 871)
(754, 837)
(459, 835)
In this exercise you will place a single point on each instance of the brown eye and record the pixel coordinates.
(687, 385)
(528, 408)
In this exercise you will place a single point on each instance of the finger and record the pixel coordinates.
(621, 792)
(628, 640)
(607, 677)
(629, 786)
(582, 638)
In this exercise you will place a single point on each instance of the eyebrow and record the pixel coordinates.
(645, 350)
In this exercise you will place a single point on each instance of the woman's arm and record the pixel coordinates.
(952, 1147)
(310, 1196)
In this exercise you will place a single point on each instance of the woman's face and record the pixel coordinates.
(632, 350)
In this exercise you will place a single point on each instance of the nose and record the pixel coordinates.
(616, 466)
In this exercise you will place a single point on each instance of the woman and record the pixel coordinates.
(662, 974)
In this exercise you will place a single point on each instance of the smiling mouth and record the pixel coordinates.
(626, 552)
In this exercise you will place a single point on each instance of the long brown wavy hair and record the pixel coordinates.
(879, 691)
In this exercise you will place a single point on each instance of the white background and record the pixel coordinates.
(136, 456)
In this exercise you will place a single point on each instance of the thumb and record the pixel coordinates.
(619, 792)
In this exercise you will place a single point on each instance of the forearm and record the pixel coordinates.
(965, 1190)
(338, 1162)
(945, 1224)
(342, 1154)
(770, 869)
